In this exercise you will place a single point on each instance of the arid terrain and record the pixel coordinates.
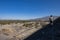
(19, 30)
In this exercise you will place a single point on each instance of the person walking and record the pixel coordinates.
(51, 19)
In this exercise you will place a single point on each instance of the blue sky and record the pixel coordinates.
(28, 9)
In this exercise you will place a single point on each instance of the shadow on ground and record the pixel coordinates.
(50, 32)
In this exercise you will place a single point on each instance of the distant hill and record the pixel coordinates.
(44, 18)
(37, 19)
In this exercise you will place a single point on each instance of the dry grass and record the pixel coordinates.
(19, 29)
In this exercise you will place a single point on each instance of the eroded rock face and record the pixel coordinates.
(50, 32)
(57, 20)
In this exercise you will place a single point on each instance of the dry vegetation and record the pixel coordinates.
(18, 30)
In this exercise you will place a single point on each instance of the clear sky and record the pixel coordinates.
(28, 9)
